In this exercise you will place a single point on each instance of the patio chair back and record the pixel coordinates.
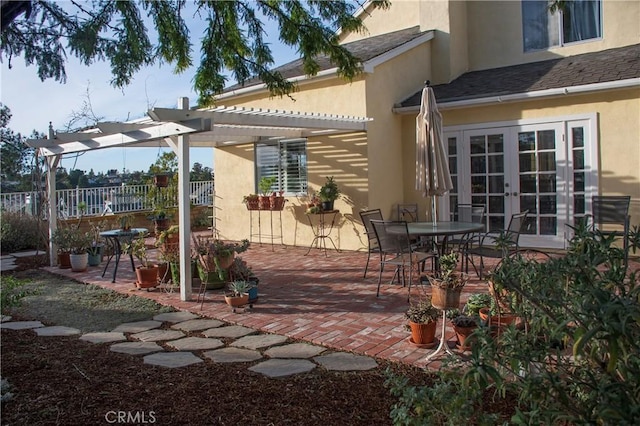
(515, 228)
(396, 249)
(408, 212)
(611, 217)
(367, 216)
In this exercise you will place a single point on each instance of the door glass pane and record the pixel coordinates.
(478, 184)
(453, 146)
(496, 143)
(527, 162)
(578, 160)
(453, 165)
(578, 181)
(496, 184)
(496, 164)
(526, 141)
(496, 223)
(548, 225)
(547, 204)
(528, 203)
(546, 139)
(478, 165)
(577, 135)
(496, 204)
(579, 204)
(547, 161)
(479, 199)
(477, 145)
(548, 183)
(528, 184)
(530, 226)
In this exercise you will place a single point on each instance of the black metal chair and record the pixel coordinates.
(472, 213)
(483, 245)
(407, 212)
(367, 216)
(610, 215)
(396, 249)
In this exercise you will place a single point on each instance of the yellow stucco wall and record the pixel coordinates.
(495, 33)
(618, 133)
(357, 161)
(400, 15)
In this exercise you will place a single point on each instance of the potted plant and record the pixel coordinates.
(79, 255)
(251, 201)
(447, 283)
(277, 200)
(264, 186)
(237, 294)
(147, 272)
(96, 248)
(423, 319)
(126, 221)
(63, 239)
(240, 271)
(215, 259)
(464, 326)
(329, 192)
(168, 239)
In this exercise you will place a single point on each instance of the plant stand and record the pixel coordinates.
(443, 339)
(273, 235)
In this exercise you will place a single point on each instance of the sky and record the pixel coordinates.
(34, 103)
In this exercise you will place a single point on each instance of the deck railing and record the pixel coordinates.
(97, 201)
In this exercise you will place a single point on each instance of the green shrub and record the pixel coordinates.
(576, 362)
(12, 291)
(19, 232)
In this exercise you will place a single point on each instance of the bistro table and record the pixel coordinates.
(115, 238)
(442, 229)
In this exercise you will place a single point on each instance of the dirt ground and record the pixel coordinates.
(62, 380)
(65, 381)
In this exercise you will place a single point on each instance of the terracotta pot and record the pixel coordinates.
(277, 203)
(423, 334)
(164, 273)
(462, 333)
(237, 301)
(64, 261)
(501, 320)
(147, 277)
(253, 204)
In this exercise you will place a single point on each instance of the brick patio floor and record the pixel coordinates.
(315, 298)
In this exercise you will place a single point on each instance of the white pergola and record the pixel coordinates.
(181, 129)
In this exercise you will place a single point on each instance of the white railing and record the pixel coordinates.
(97, 201)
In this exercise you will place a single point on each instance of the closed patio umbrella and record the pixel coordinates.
(432, 164)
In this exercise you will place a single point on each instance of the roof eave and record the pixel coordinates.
(527, 96)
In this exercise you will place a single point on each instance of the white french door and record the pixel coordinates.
(535, 167)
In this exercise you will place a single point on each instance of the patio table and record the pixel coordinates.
(114, 238)
(442, 229)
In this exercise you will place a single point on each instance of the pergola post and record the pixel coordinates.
(184, 216)
(52, 167)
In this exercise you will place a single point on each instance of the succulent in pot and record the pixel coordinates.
(447, 283)
(423, 318)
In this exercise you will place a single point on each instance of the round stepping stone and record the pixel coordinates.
(233, 331)
(283, 367)
(232, 355)
(5, 318)
(343, 361)
(172, 359)
(294, 350)
(56, 330)
(103, 337)
(158, 335)
(259, 341)
(137, 327)
(195, 344)
(175, 316)
(197, 324)
(135, 348)
(21, 325)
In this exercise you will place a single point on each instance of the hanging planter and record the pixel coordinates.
(161, 180)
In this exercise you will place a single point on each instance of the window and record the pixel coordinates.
(580, 20)
(287, 161)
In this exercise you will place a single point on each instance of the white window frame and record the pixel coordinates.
(281, 166)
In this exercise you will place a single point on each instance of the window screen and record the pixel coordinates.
(287, 161)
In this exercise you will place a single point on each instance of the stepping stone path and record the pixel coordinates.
(169, 346)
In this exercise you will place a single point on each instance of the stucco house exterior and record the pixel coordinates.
(540, 112)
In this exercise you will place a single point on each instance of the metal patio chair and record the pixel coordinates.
(367, 216)
(396, 249)
(483, 245)
(610, 216)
